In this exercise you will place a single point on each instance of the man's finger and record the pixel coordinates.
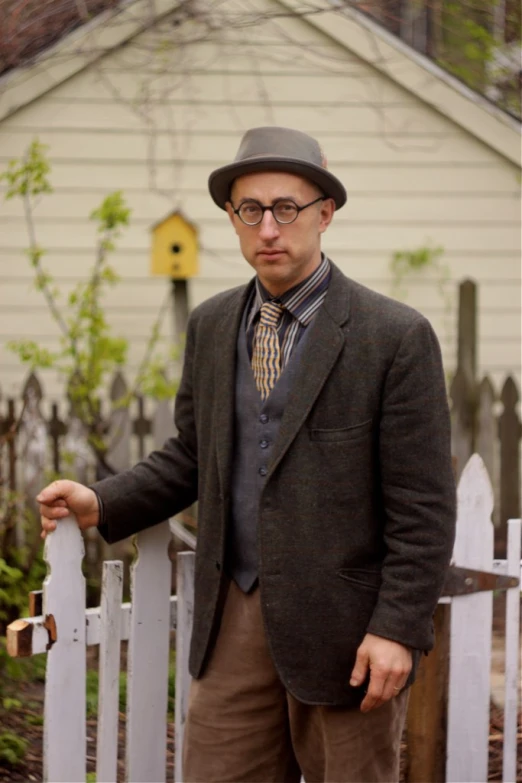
(392, 686)
(48, 525)
(373, 697)
(360, 670)
(56, 490)
(54, 512)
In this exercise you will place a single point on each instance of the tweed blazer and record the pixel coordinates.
(356, 519)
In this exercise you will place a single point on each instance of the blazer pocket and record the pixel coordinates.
(344, 433)
(361, 577)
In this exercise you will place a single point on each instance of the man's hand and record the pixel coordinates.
(62, 498)
(389, 664)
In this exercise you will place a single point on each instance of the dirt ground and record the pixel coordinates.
(31, 695)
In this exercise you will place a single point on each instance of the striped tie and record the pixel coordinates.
(266, 354)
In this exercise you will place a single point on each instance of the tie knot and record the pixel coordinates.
(270, 313)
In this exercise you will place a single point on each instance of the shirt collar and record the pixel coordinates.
(297, 300)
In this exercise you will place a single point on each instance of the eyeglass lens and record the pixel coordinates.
(252, 213)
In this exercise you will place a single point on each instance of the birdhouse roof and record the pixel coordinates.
(173, 214)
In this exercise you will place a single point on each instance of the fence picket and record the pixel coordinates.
(185, 592)
(32, 450)
(64, 711)
(162, 423)
(512, 661)
(148, 657)
(470, 633)
(461, 393)
(120, 428)
(486, 425)
(109, 669)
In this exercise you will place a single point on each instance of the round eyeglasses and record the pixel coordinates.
(284, 211)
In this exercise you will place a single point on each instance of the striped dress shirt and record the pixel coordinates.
(300, 304)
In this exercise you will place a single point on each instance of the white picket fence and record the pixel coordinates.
(147, 623)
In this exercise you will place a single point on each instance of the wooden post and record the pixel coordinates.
(467, 334)
(57, 429)
(181, 315)
(512, 660)
(180, 300)
(510, 432)
(120, 427)
(486, 433)
(486, 437)
(426, 720)
(141, 427)
(463, 388)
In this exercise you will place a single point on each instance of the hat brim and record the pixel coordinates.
(220, 181)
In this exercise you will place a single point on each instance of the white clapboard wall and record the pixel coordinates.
(66, 628)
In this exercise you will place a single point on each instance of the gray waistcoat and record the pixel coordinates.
(257, 425)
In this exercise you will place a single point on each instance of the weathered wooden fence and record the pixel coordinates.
(65, 628)
(485, 418)
(50, 437)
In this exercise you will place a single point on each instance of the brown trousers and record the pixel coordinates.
(244, 727)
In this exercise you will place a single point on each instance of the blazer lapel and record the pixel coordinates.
(321, 351)
(225, 345)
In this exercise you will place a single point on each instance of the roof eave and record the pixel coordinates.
(76, 51)
(417, 74)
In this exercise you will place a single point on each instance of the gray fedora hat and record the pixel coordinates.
(277, 149)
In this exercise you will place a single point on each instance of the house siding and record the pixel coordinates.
(413, 177)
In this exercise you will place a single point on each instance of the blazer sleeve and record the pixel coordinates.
(418, 490)
(166, 481)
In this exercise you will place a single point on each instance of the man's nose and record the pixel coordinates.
(269, 227)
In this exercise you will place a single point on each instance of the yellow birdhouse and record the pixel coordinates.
(175, 248)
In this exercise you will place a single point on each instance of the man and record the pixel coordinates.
(313, 429)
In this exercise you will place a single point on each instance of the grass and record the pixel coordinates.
(12, 748)
(92, 686)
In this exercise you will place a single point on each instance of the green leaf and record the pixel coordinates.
(11, 704)
(30, 353)
(12, 748)
(112, 213)
(27, 176)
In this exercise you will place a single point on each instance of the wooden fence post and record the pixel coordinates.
(467, 328)
(185, 592)
(109, 669)
(463, 387)
(426, 720)
(486, 432)
(512, 660)
(65, 743)
(148, 658)
(470, 633)
(120, 428)
(509, 431)
(462, 419)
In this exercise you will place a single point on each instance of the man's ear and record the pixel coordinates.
(327, 213)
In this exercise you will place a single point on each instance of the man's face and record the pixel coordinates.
(282, 255)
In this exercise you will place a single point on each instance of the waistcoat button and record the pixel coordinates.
(262, 470)
(263, 418)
